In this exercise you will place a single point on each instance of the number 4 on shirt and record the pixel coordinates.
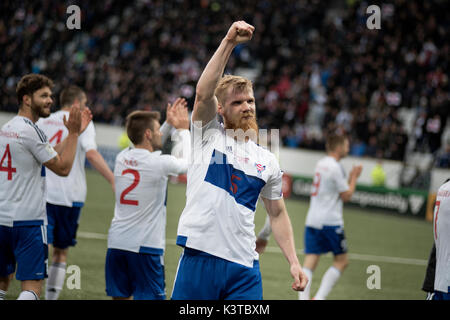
(9, 169)
(57, 136)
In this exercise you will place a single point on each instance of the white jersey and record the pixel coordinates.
(23, 150)
(224, 180)
(68, 191)
(442, 239)
(326, 205)
(141, 176)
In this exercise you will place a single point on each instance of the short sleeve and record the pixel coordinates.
(203, 133)
(340, 180)
(273, 188)
(87, 138)
(35, 140)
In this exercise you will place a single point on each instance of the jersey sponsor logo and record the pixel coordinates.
(243, 188)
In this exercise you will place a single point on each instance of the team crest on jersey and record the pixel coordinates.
(259, 167)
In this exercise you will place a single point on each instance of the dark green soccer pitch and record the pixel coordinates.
(399, 246)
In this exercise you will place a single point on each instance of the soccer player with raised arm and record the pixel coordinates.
(324, 230)
(441, 229)
(136, 240)
(66, 195)
(24, 151)
(226, 175)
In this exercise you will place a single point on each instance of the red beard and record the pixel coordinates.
(244, 124)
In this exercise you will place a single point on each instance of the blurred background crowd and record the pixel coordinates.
(315, 65)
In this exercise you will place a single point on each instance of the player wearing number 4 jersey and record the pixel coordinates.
(442, 241)
(227, 174)
(136, 239)
(66, 195)
(24, 150)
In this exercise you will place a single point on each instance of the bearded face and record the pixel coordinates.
(239, 111)
(41, 102)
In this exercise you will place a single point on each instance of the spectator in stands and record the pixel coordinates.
(310, 71)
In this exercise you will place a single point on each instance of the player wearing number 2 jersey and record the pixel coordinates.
(136, 239)
(24, 150)
(441, 230)
(324, 230)
(66, 195)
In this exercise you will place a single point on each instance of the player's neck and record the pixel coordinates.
(145, 146)
(334, 155)
(65, 108)
(28, 113)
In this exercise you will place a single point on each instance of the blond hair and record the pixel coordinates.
(334, 140)
(238, 84)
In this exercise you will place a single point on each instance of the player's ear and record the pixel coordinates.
(26, 100)
(148, 134)
(220, 109)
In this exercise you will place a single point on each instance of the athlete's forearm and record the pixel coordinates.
(68, 151)
(284, 236)
(165, 129)
(99, 164)
(266, 230)
(346, 196)
(205, 105)
(60, 146)
(214, 70)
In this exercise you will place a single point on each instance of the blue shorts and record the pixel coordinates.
(26, 246)
(62, 225)
(140, 275)
(438, 295)
(329, 238)
(201, 276)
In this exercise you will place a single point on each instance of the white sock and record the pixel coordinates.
(2, 295)
(328, 281)
(28, 295)
(55, 280)
(304, 295)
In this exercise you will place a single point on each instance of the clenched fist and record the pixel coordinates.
(240, 32)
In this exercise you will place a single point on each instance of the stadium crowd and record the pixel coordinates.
(318, 68)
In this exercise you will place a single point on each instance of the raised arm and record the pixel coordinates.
(205, 106)
(284, 236)
(353, 177)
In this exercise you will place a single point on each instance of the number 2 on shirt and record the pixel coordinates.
(316, 185)
(137, 178)
(9, 169)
